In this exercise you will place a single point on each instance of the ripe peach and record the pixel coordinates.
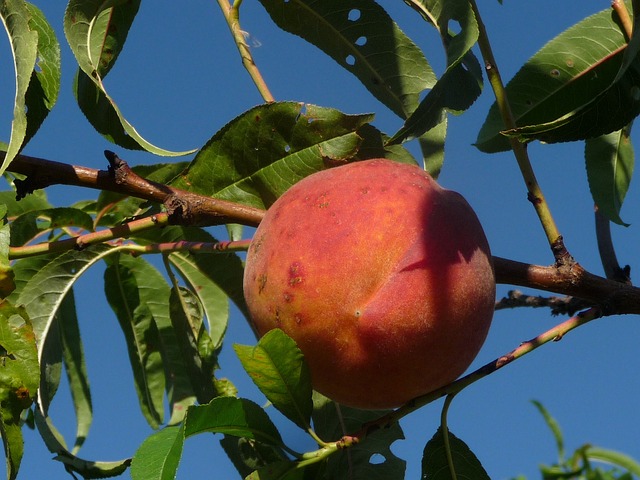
(382, 277)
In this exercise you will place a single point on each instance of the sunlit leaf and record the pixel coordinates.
(277, 367)
(16, 18)
(159, 455)
(370, 460)
(19, 379)
(435, 465)
(574, 88)
(132, 285)
(96, 31)
(261, 153)
(610, 161)
(7, 276)
(612, 457)
(363, 39)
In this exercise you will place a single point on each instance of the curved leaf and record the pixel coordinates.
(44, 86)
(96, 31)
(610, 161)
(16, 18)
(261, 153)
(364, 39)
(574, 88)
(613, 458)
(232, 416)
(276, 365)
(373, 459)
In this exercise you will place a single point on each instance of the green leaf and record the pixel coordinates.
(612, 457)
(132, 286)
(194, 342)
(276, 365)
(435, 465)
(16, 18)
(44, 86)
(261, 153)
(19, 379)
(232, 416)
(370, 460)
(30, 224)
(572, 89)
(159, 455)
(76, 369)
(7, 275)
(96, 31)
(461, 83)
(610, 161)
(363, 39)
(34, 201)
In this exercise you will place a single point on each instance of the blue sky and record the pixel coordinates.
(180, 79)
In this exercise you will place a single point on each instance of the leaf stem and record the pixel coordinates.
(534, 192)
(623, 14)
(445, 435)
(232, 16)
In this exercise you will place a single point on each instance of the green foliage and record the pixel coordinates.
(174, 312)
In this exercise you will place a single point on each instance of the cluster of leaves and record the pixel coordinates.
(580, 465)
(173, 346)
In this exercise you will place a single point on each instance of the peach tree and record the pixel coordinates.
(171, 236)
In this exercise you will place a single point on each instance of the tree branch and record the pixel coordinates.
(183, 207)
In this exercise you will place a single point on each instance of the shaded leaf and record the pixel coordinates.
(261, 153)
(435, 465)
(96, 31)
(159, 455)
(44, 86)
(30, 224)
(609, 162)
(131, 286)
(7, 276)
(197, 349)
(573, 88)
(276, 365)
(16, 18)
(363, 39)
(370, 460)
(232, 416)
(461, 83)
(19, 379)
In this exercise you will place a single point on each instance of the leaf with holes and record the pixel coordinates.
(261, 153)
(96, 31)
(574, 88)
(370, 460)
(276, 365)
(609, 161)
(435, 462)
(363, 39)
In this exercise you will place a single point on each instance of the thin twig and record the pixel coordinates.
(559, 305)
(623, 15)
(232, 16)
(535, 195)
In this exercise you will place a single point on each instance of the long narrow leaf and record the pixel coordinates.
(96, 31)
(24, 46)
(131, 285)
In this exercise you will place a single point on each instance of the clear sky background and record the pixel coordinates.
(180, 79)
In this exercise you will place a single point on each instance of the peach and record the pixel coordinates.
(382, 277)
